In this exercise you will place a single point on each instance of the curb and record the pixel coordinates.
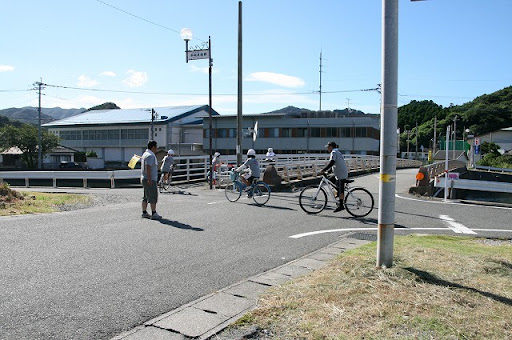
(210, 314)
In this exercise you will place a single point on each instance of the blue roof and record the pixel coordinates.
(126, 116)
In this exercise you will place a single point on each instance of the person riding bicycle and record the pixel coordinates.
(339, 167)
(167, 165)
(254, 169)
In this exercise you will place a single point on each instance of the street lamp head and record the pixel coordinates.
(186, 34)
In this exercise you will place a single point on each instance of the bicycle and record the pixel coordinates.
(258, 190)
(164, 184)
(358, 201)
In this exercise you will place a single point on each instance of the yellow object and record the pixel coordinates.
(387, 178)
(133, 161)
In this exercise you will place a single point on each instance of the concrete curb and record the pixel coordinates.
(210, 314)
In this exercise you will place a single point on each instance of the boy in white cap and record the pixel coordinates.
(167, 165)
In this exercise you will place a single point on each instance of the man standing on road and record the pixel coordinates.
(149, 178)
(339, 167)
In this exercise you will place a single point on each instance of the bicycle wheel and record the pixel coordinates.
(313, 199)
(358, 202)
(233, 191)
(261, 193)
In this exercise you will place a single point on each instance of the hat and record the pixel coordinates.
(170, 152)
(333, 144)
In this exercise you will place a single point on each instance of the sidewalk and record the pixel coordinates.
(210, 314)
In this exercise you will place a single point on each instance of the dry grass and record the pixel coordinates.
(16, 203)
(440, 288)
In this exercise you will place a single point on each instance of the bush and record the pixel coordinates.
(91, 154)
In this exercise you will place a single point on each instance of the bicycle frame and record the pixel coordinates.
(326, 183)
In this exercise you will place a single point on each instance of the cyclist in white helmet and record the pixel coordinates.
(167, 165)
(254, 168)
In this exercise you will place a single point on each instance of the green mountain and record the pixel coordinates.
(486, 113)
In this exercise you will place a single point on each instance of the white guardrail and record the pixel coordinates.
(469, 184)
(291, 168)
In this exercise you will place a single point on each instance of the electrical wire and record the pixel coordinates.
(143, 19)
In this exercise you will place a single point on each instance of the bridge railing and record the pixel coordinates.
(190, 169)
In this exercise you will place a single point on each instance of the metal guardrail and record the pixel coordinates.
(469, 184)
(291, 168)
(488, 168)
(438, 168)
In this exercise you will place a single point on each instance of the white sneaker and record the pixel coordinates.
(155, 216)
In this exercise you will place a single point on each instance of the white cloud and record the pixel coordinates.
(84, 81)
(6, 68)
(108, 74)
(276, 79)
(136, 78)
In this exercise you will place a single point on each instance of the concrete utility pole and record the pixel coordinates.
(387, 184)
(454, 136)
(239, 110)
(320, 87)
(152, 125)
(435, 137)
(39, 134)
(446, 163)
(416, 152)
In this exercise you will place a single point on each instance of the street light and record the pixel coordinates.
(196, 53)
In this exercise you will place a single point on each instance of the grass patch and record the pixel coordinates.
(440, 287)
(15, 203)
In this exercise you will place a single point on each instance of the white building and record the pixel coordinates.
(116, 135)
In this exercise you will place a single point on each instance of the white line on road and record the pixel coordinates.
(457, 227)
(357, 229)
(215, 202)
(455, 203)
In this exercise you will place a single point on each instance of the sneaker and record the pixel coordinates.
(146, 215)
(155, 216)
(249, 195)
(339, 208)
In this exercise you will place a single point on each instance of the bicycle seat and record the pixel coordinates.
(348, 180)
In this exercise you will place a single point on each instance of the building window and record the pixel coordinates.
(345, 132)
(71, 135)
(135, 134)
(315, 132)
(302, 132)
(231, 133)
(360, 131)
(286, 132)
(331, 132)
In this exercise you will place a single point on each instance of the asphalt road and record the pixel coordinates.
(93, 273)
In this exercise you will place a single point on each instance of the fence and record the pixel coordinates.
(291, 168)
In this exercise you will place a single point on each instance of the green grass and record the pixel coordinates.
(440, 287)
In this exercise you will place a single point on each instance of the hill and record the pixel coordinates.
(486, 113)
(296, 110)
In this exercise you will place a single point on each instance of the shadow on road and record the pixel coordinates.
(432, 279)
(179, 225)
(274, 207)
(178, 192)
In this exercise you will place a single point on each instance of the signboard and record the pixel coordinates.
(198, 54)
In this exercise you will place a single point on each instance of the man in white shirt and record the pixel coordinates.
(339, 168)
(149, 178)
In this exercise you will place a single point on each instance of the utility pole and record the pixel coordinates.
(446, 163)
(152, 120)
(408, 137)
(454, 136)
(39, 135)
(348, 105)
(389, 122)
(435, 137)
(416, 153)
(239, 109)
(320, 87)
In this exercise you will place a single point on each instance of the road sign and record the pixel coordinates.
(198, 54)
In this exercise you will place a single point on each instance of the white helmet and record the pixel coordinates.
(251, 152)
(270, 150)
(217, 154)
(170, 152)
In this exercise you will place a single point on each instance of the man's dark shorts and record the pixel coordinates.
(150, 192)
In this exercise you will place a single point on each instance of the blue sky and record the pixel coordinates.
(450, 52)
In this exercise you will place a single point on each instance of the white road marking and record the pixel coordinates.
(215, 202)
(457, 227)
(311, 233)
(455, 203)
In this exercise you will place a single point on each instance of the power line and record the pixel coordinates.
(143, 19)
